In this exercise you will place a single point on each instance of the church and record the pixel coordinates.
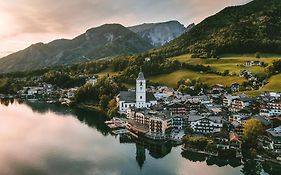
(138, 99)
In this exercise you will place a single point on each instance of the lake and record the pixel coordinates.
(39, 138)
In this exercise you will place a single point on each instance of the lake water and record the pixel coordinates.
(38, 138)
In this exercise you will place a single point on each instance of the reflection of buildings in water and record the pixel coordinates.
(156, 149)
(140, 154)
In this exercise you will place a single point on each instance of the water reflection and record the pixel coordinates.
(38, 138)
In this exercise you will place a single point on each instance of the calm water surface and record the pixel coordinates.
(37, 138)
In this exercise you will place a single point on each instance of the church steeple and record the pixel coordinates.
(140, 90)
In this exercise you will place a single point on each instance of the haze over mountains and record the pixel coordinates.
(159, 34)
(250, 28)
(100, 42)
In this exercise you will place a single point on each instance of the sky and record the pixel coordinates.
(25, 22)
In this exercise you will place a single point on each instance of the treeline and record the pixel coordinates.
(63, 80)
(102, 94)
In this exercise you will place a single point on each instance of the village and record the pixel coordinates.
(162, 114)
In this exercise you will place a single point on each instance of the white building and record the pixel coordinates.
(92, 81)
(206, 125)
(271, 109)
(138, 99)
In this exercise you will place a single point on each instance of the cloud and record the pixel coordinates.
(68, 18)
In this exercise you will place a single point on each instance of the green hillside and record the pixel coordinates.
(172, 79)
(253, 27)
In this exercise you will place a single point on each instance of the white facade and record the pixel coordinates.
(206, 125)
(138, 99)
(141, 92)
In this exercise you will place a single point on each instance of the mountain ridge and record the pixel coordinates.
(253, 27)
(160, 33)
(103, 41)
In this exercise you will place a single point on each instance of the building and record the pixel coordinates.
(152, 124)
(270, 109)
(218, 88)
(205, 125)
(139, 98)
(242, 119)
(240, 103)
(92, 81)
(227, 100)
(235, 87)
(273, 139)
(253, 63)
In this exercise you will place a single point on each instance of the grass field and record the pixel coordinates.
(274, 84)
(231, 62)
(107, 72)
(226, 62)
(171, 79)
(2, 82)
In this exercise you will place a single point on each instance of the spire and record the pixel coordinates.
(141, 76)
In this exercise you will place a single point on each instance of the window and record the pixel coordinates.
(140, 97)
(141, 83)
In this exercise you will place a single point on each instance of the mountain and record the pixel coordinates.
(250, 28)
(159, 34)
(104, 41)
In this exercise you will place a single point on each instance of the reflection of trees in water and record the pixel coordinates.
(91, 118)
(252, 167)
(271, 168)
(220, 161)
(193, 156)
(211, 160)
(7, 101)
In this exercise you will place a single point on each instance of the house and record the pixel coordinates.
(252, 63)
(71, 93)
(240, 103)
(205, 125)
(235, 87)
(203, 99)
(92, 81)
(238, 118)
(245, 73)
(176, 108)
(237, 127)
(273, 139)
(272, 108)
(139, 98)
(179, 122)
(227, 100)
(234, 141)
(217, 88)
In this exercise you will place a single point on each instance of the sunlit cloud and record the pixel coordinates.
(34, 21)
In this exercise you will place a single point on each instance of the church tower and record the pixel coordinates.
(140, 91)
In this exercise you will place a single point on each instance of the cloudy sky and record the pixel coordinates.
(23, 22)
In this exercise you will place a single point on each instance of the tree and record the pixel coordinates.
(258, 55)
(253, 128)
